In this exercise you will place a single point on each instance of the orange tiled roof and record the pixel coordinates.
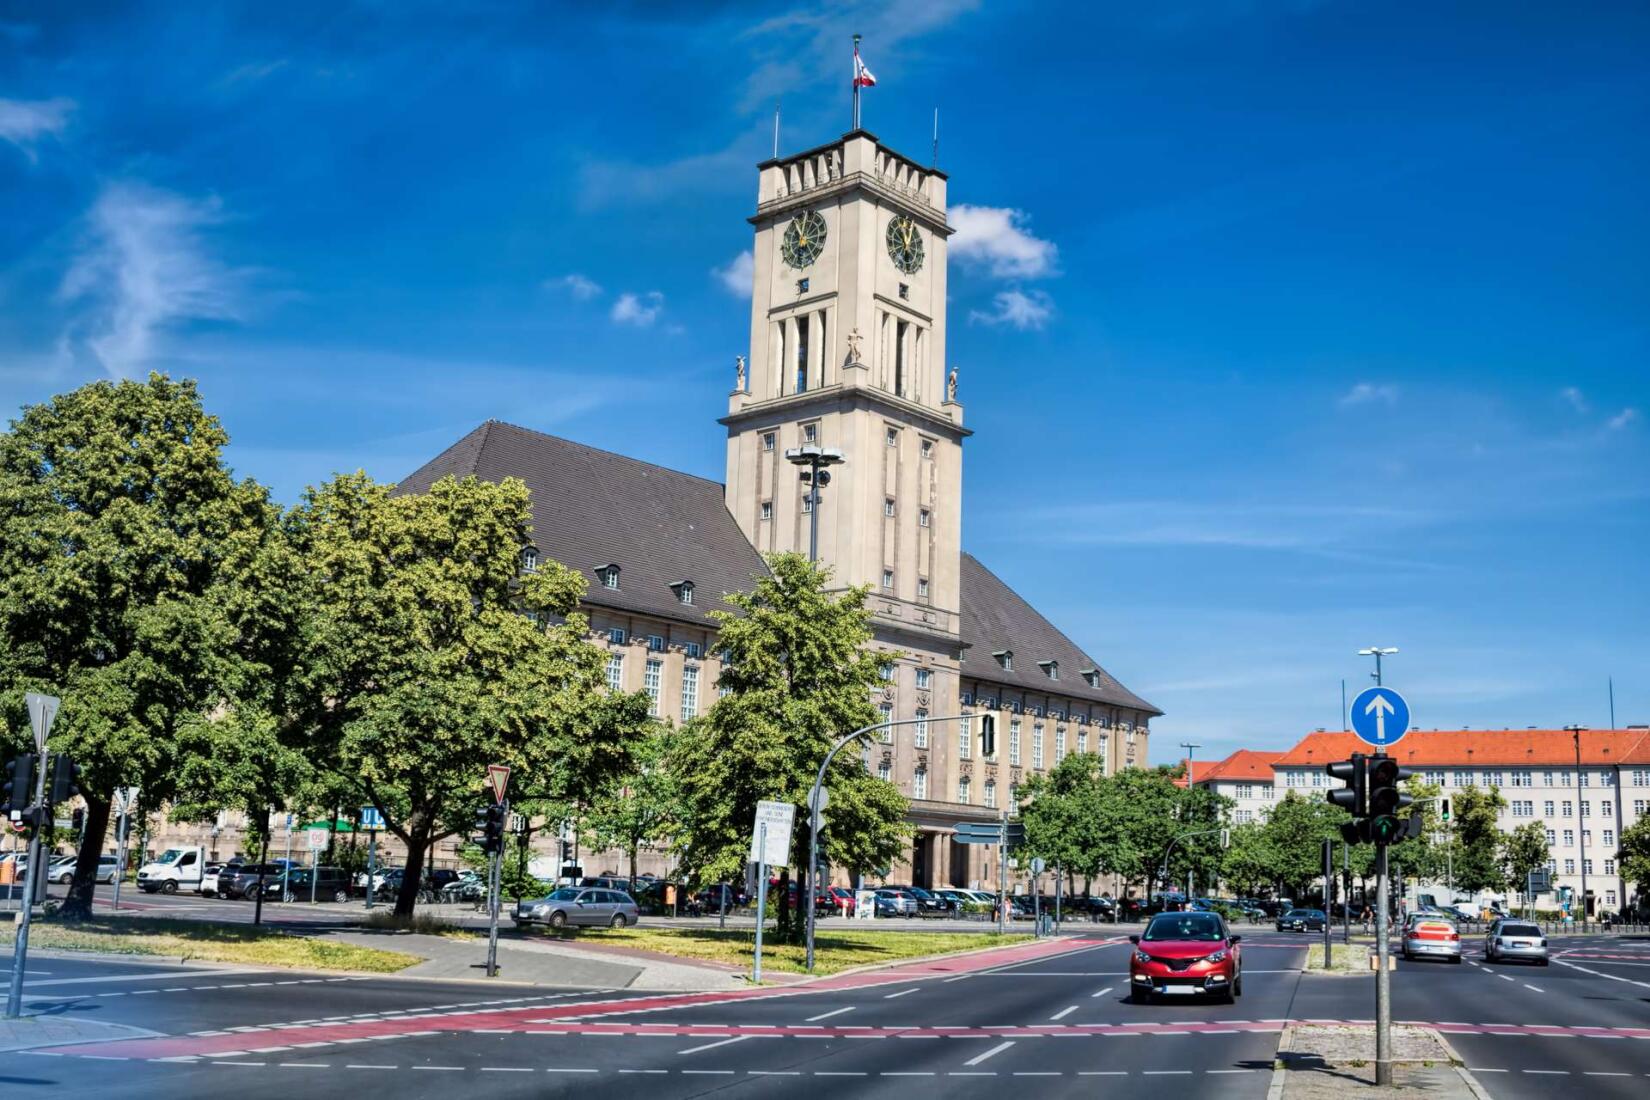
(1481, 748)
(1197, 770)
(1242, 764)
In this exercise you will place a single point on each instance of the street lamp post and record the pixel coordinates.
(1581, 810)
(815, 459)
(813, 799)
(1191, 748)
(1377, 652)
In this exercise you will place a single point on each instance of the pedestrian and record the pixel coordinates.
(1366, 917)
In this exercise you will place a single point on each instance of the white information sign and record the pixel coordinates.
(317, 839)
(778, 817)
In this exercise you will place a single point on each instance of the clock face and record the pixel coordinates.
(804, 238)
(905, 244)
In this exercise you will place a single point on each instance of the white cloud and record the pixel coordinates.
(736, 276)
(581, 287)
(142, 269)
(1016, 308)
(1365, 393)
(640, 310)
(1576, 398)
(996, 238)
(23, 122)
(1622, 419)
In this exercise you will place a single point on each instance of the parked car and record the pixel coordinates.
(1185, 954)
(837, 901)
(578, 906)
(469, 886)
(329, 884)
(1432, 938)
(930, 904)
(176, 869)
(214, 874)
(1302, 920)
(891, 902)
(241, 881)
(1515, 939)
(61, 870)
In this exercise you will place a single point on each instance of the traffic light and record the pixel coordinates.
(18, 790)
(1385, 800)
(988, 735)
(490, 827)
(1354, 797)
(1014, 835)
(1443, 810)
(65, 780)
(77, 821)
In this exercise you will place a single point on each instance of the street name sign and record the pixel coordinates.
(979, 832)
(1380, 716)
(371, 818)
(778, 817)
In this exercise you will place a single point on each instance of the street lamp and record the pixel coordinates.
(1191, 748)
(1581, 809)
(1377, 652)
(815, 459)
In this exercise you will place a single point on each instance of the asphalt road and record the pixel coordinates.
(1051, 1026)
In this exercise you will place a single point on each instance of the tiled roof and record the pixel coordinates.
(1481, 748)
(995, 618)
(1196, 771)
(1244, 764)
(592, 508)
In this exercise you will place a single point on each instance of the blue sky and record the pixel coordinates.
(1285, 328)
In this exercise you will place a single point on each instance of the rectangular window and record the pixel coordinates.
(807, 503)
(1569, 866)
(1641, 777)
(925, 677)
(893, 437)
(888, 578)
(964, 790)
(1436, 778)
(616, 635)
(991, 793)
(919, 783)
(1639, 805)
(1551, 838)
(928, 448)
(1607, 807)
(885, 672)
(888, 506)
(1014, 743)
(767, 509)
(920, 735)
(802, 347)
(1463, 778)
(1569, 838)
(656, 643)
(1244, 790)
(965, 742)
(885, 771)
(1569, 808)
(1547, 779)
(690, 691)
(1610, 869)
(1059, 744)
(1492, 779)
(885, 714)
(615, 672)
(1586, 836)
(1037, 745)
(692, 650)
(767, 441)
(810, 433)
(1582, 778)
(650, 682)
(924, 518)
(922, 587)
(1547, 808)
(1586, 809)
(1587, 864)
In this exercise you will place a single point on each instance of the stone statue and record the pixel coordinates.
(739, 365)
(853, 345)
(951, 385)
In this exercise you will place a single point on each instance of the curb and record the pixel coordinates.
(1460, 1066)
(871, 968)
(1274, 1091)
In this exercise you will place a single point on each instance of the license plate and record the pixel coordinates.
(1182, 990)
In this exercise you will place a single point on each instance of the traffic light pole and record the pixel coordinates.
(494, 878)
(1383, 980)
(20, 951)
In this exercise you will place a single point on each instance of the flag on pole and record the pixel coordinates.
(862, 76)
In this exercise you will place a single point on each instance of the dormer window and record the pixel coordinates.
(1005, 658)
(529, 560)
(1051, 669)
(1091, 677)
(684, 591)
(608, 575)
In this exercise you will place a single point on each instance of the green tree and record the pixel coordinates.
(644, 808)
(1249, 862)
(1633, 856)
(1295, 831)
(1523, 850)
(1064, 815)
(430, 654)
(118, 524)
(799, 677)
(1477, 841)
(1139, 810)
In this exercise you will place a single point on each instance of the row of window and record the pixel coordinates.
(1037, 710)
(965, 786)
(1586, 837)
(1525, 777)
(965, 739)
(1570, 869)
(810, 434)
(652, 675)
(655, 642)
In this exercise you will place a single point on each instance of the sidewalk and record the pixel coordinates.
(1338, 1063)
(50, 1029)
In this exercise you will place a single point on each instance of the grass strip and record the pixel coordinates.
(198, 941)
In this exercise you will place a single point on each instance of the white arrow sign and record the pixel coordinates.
(1380, 708)
(42, 712)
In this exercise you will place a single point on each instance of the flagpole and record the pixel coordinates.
(856, 81)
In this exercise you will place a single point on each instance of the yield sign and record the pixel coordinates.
(498, 778)
(42, 712)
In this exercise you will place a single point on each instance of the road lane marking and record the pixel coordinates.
(1103, 992)
(1552, 1072)
(828, 1015)
(1064, 1012)
(998, 1049)
(1536, 989)
(718, 1043)
(902, 993)
(506, 1069)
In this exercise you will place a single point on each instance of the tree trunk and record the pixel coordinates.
(79, 903)
(782, 931)
(419, 827)
(633, 847)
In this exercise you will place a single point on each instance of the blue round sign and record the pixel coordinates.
(1380, 716)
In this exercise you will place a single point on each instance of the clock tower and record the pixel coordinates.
(847, 351)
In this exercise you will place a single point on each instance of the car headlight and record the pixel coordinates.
(1218, 956)
(1142, 957)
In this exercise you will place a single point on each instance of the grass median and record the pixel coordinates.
(198, 941)
(834, 951)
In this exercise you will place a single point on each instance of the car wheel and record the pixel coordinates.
(1237, 986)
(1543, 962)
(340, 896)
(558, 920)
(1228, 997)
(1455, 959)
(618, 921)
(1139, 997)
(168, 887)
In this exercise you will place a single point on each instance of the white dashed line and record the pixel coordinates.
(1064, 1012)
(828, 1015)
(901, 993)
(711, 1046)
(1102, 992)
(1536, 989)
(998, 1049)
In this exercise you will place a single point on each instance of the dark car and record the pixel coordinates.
(240, 880)
(930, 904)
(1302, 920)
(299, 883)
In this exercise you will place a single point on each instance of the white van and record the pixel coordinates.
(176, 869)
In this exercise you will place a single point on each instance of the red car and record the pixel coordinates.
(1184, 955)
(835, 899)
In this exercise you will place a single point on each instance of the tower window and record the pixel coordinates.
(807, 503)
(893, 437)
(767, 441)
(767, 509)
(928, 448)
(888, 506)
(900, 336)
(904, 290)
(923, 518)
(801, 354)
(888, 578)
(609, 576)
(802, 286)
(922, 587)
(810, 433)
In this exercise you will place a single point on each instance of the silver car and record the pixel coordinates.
(1515, 939)
(1432, 937)
(577, 906)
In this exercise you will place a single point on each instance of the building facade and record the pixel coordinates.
(1245, 777)
(1583, 791)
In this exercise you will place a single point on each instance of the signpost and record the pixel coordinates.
(372, 819)
(42, 712)
(770, 846)
(125, 803)
(1380, 716)
(317, 845)
(1037, 866)
(498, 778)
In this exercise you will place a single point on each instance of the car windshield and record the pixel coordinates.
(171, 855)
(566, 893)
(1305, 913)
(1184, 926)
(1520, 930)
